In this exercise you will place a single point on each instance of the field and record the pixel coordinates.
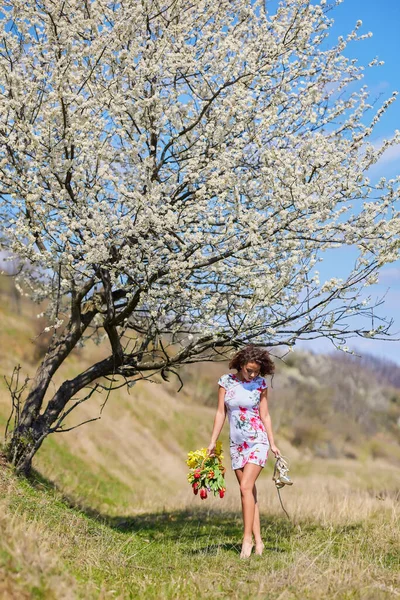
(108, 512)
(341, 543)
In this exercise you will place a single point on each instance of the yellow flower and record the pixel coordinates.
(191, 460)
(196, 457)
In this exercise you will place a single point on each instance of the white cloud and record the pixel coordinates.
(389, 156)
(389, 276)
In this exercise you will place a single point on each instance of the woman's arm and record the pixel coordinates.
(218, 421)
(266, 419)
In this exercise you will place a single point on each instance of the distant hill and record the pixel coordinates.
(386, 372)
(337, 404)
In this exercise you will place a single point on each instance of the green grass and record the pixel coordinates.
(90, 484)
(194, 553)
(88, 527)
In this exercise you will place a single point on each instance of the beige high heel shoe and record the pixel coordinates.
(280, 475)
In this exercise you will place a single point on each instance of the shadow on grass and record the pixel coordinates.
(199, 524)
(213, 549)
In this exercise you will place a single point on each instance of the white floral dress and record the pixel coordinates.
(248, 438)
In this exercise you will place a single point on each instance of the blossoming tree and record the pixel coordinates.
(170, 174)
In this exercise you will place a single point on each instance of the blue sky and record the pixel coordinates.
(383, 20)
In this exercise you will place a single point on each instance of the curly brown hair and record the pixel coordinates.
(253, 354)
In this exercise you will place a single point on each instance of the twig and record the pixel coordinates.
(15, 394)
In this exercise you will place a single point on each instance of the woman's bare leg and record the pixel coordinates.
(257, 526)
(251, 516)
(256, 522)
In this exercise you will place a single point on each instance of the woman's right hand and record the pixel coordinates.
(211, 449)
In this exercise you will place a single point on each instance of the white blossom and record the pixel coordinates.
(195, 159)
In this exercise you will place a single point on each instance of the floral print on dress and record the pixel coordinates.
(248, 438)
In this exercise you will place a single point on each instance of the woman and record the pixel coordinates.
(244, 398)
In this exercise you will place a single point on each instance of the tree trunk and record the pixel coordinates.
(31, 427)
(30, 432)
(25, 442)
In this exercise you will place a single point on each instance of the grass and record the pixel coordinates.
(108, 512)
(92, 525)
(80, 529)
(85, 480)
(52, 547)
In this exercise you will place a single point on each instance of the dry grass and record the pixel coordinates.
(29, 567)
(338, 545)
(111, 514)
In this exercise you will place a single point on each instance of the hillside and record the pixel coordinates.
(137, 430)
(322, 406)
(109, 513)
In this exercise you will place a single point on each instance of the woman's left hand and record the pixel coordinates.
(275, 450)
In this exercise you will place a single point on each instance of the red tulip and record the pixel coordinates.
(196, 474)
(195, 488)
(222, 492)
(203, 494)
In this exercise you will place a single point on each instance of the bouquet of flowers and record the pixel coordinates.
(206, 472)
